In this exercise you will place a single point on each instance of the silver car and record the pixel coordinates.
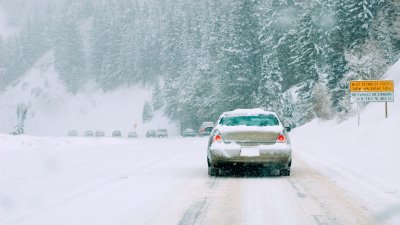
(249, 137)
(88, 133)
(100, 133)
(162, 133)
(72, 133)
(188, 132)
(206, 128)
(132, 134)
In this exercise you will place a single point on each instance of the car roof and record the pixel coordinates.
(247, 112)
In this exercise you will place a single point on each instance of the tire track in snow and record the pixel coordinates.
(196, 213)
(78, 190)
(305, 198)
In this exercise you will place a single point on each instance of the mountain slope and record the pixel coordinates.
(5, 29)
(53, 111)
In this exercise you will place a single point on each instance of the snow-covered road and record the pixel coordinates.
(156, 181)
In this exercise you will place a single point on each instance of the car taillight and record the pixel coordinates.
(217, 138)
(281, 138)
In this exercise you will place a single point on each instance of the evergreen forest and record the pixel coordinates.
(201, 58)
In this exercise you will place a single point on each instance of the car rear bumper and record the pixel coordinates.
(279, 154)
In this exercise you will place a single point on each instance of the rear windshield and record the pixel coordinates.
(260, 121)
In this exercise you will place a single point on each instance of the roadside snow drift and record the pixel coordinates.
(364, 160)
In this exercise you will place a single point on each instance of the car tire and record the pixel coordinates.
(212, 171)
(285, 172)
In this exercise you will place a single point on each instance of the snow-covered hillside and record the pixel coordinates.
(364, 160)
(54, 111)
(5, 29)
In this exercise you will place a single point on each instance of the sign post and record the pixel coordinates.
(386, 111)
(372, 91)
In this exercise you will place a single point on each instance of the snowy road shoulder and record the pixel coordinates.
(363, 160)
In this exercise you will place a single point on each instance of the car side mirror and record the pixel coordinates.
(288, 129)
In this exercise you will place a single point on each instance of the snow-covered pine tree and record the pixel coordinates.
(367, 61)
(172, 52)
(242, 56)
(354, 19)
(269, 93)
(157, 97)
(305, 58)
(288, 114)
(110, 46)
(321, 102)
(277, 24)
(394, 23)
(22, 111)
(149, 44)
(147, 113)
(69, 58)
(129, 55)
(381, 34)
(172, 97)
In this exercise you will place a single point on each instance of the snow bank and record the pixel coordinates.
(364, 160)
(33, 142)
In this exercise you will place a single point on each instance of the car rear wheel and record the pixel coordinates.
(212, 171)
(285, 172)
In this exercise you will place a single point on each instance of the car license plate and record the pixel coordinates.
(249, 152)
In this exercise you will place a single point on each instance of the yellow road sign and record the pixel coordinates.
(371, 86)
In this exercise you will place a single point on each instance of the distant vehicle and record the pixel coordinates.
(151, 133)
(189, 132)
(132, 134)
(88, 133)
(162, 133)
(116, 133)
(206, 128)
(100, 133)
(249, 137)
(72, 133)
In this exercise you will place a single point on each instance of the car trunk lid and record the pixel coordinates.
(250, 134)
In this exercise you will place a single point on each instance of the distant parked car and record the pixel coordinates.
(100, 133)
(189, 132)
(116, 133)
(206, 128)
(73, 133)
(88, 133)
(151, 133)
(132, 134)
(162, 133)
(249, 137)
